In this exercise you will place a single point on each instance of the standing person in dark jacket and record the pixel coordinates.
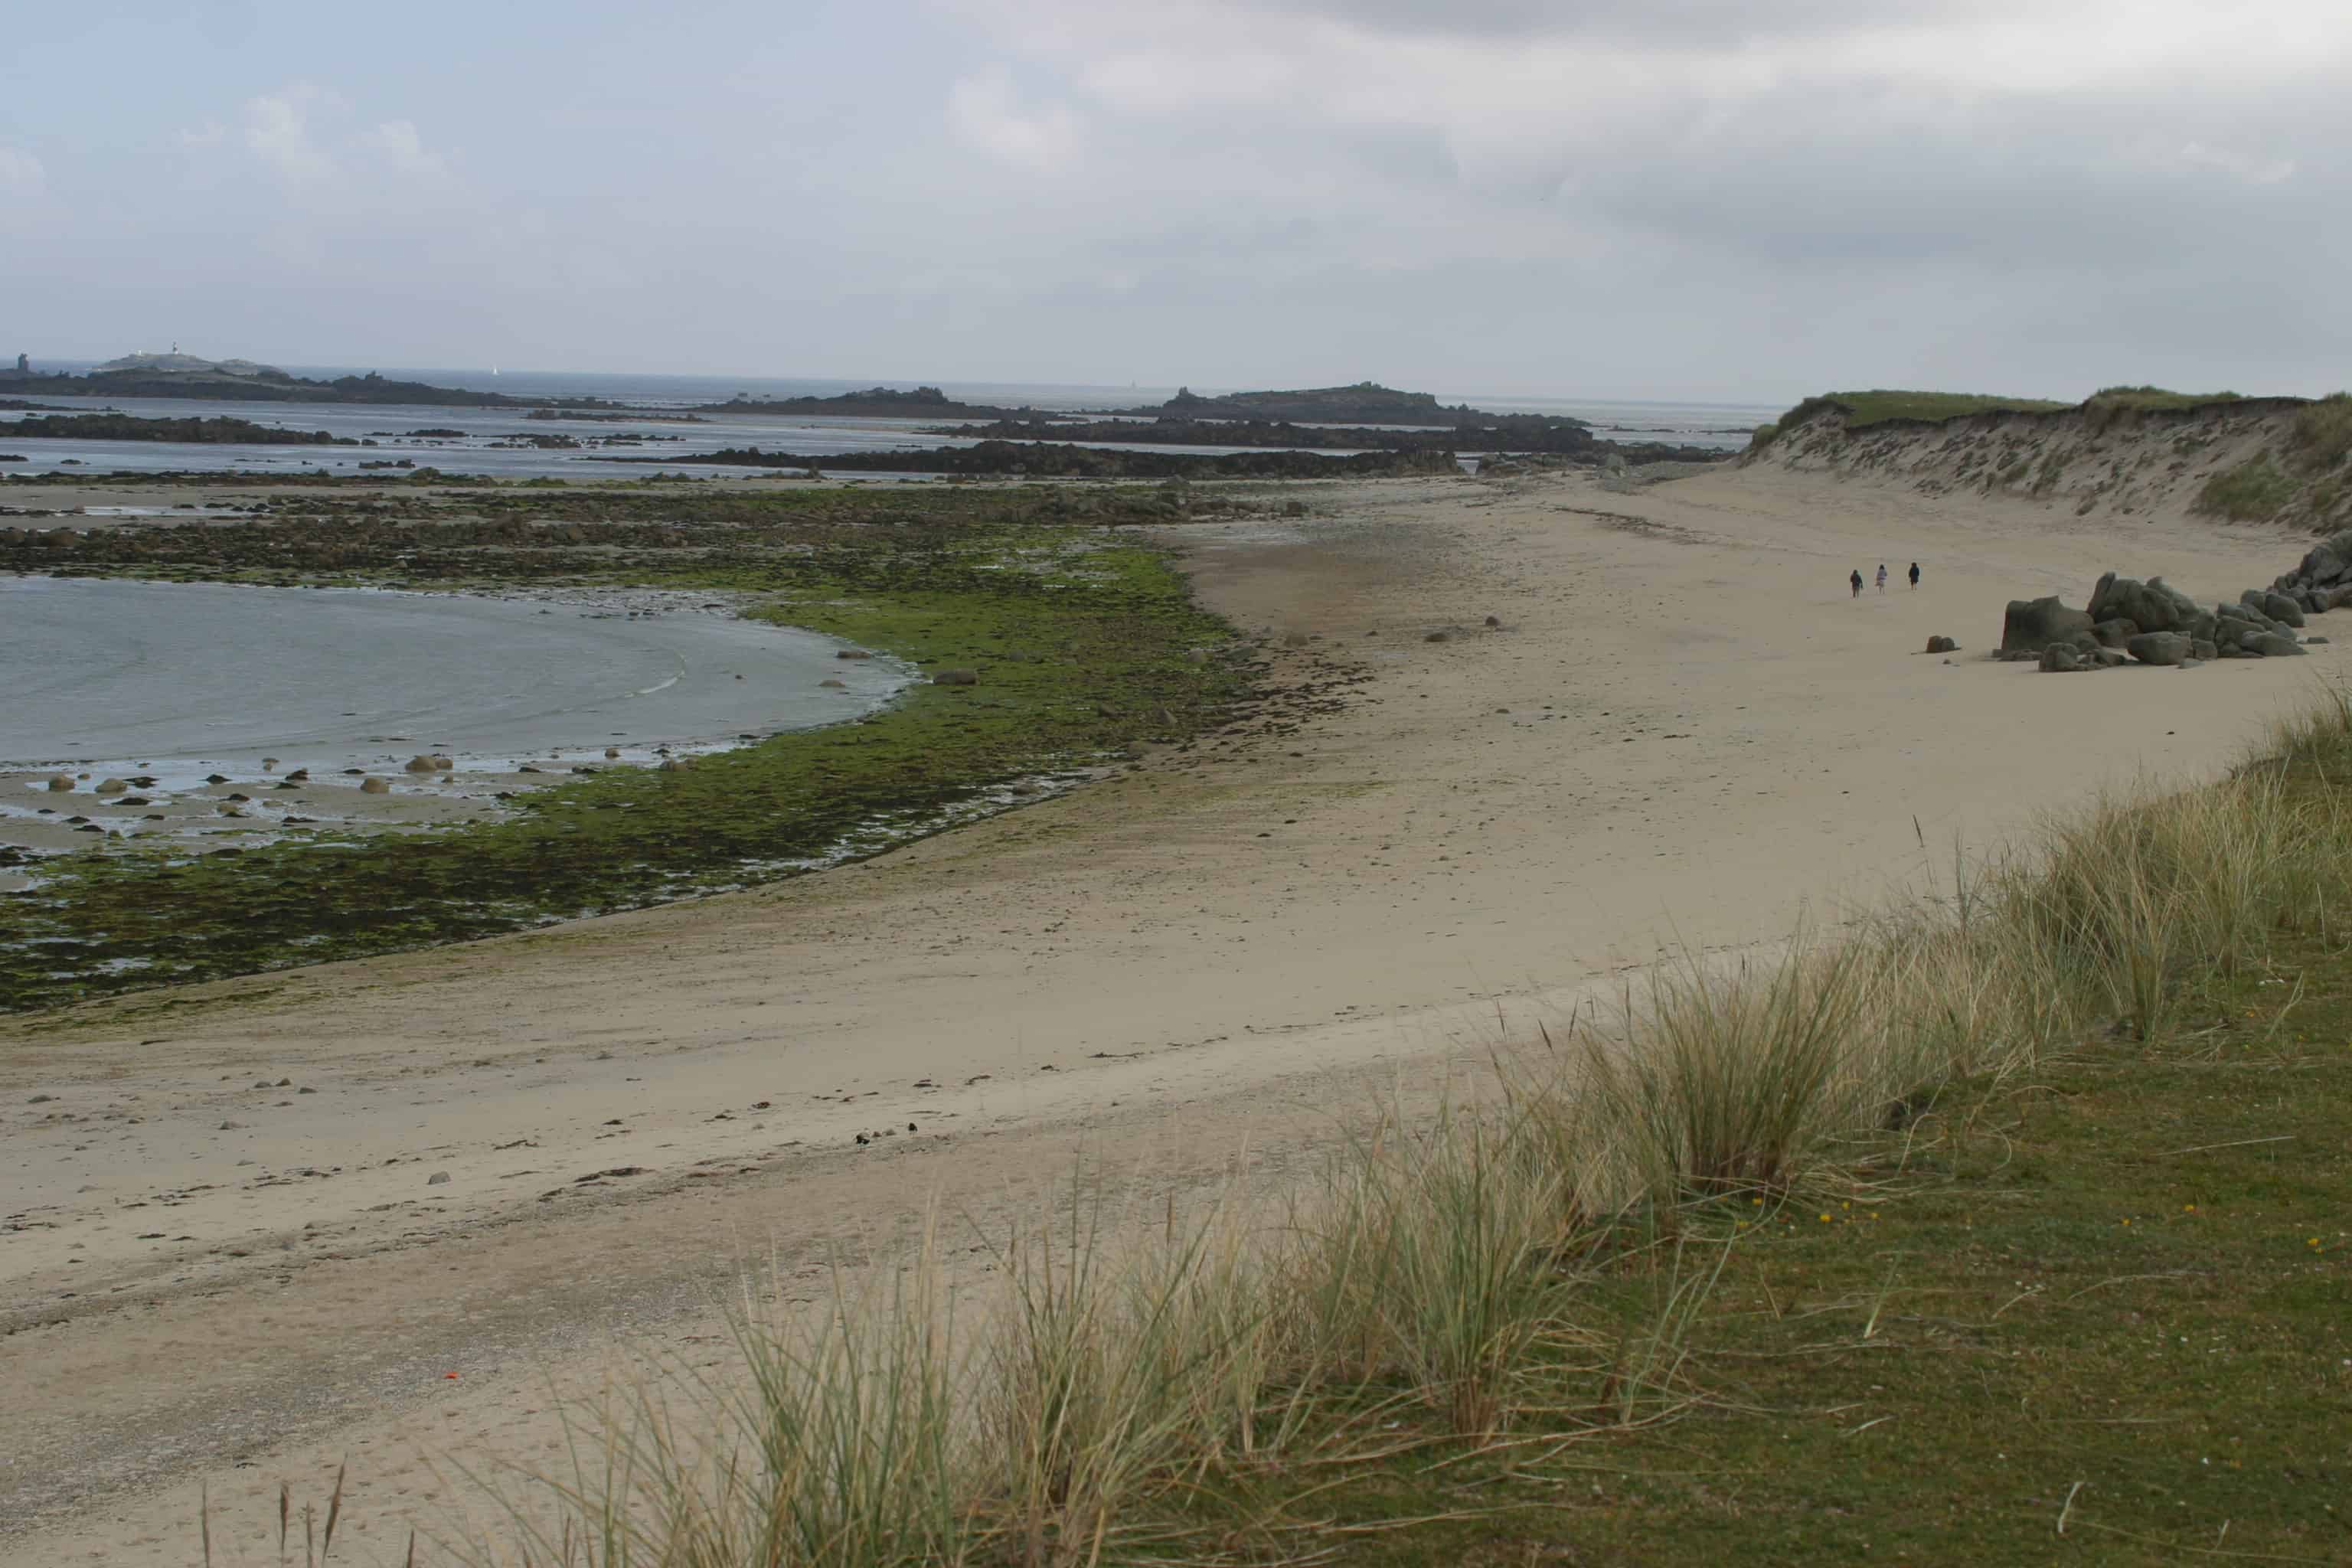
(1915, 576)
(1857, 582)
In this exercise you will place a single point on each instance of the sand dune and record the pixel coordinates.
(1681, 730)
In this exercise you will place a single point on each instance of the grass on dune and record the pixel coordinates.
(2013, 1223)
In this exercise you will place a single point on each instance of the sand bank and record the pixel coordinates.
(1682, 729)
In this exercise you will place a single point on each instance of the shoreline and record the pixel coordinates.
(193, 797)
(1681, 729)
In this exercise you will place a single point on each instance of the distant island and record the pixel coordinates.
(1366, 403)
(177, 374)
(873, 403)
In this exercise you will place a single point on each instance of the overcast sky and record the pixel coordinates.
(1744, 199)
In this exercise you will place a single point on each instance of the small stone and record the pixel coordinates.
(40, 1100)
(851, 653)
(112, 786)
(1495, 621)
(1942, 645)
(612, 751)
(374, 786)
(437, 1179)
(231, 1126)
(1438, 636)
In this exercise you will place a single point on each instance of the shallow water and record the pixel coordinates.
(168, 677)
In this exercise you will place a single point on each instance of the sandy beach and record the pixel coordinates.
(1541, 732)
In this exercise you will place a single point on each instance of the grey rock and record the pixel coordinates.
(60, 783)
(374, 786)
(2274, 645)
(2202, 647)
(2029, 625)
(2158, 647)
(2115, 633)
(2315, 642)
(437, 1179)
(2283, 609)
(1942, 645)
(2060, 658)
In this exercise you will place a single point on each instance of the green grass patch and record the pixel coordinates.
(2322, 433)
(2255, 490)
(1862, 409)
(2155, 397)
(1083, 640)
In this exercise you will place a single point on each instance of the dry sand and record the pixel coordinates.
(1683, 729)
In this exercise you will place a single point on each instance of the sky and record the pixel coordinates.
(1745, 200)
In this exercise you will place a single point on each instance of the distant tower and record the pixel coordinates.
(24, 365)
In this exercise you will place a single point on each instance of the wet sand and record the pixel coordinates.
(1681, 730)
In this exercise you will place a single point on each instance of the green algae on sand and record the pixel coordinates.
(1084, 639)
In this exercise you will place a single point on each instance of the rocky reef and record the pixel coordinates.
(223, 431)
(1035, 460)
(1515, 433)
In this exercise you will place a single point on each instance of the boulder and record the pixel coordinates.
(611, 753)
(421, 765)
(2336, 598)
(2060, 658)
(2115, 633)
(956, 678)
(442, 765)
(2282, 608)
(837, 685)
(112, 786)
(2274, 645)
(2202, 647)
(60, 783)
(851, 653)
(2153, 606)
(2031, 624)
(1942, 645)
(2158, 647)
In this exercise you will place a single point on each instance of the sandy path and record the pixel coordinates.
(1682, 727)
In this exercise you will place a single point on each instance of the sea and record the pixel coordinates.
(179, 680)
(498, 442)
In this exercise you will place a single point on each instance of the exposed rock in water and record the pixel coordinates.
(374, 786)
(60, 783)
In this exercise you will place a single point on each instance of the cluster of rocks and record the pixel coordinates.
(2129, 621)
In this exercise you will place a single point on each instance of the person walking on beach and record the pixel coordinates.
(1915, 576)
(1881, 577)
(1857, 582)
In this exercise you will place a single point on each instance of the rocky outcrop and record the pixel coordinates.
(2156, 624)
